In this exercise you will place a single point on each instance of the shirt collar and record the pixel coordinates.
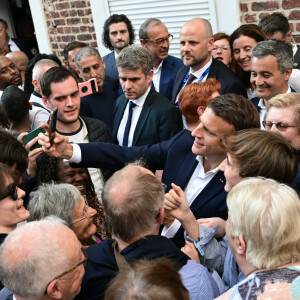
(141, 100)
(158, 68)
(261, 102)
(202, 70)
(200, 160)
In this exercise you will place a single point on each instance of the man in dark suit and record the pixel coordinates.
(142, 116)
(154, 36)
(118, 33)
(271, 68)
(191, 163)
(196, 44)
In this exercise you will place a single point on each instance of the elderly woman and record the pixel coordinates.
(66, 202)
(249, 153)
(265, 241)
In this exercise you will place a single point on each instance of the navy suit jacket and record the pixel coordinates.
(169, 70)
(159, 120)
(178, 163)
(112, 71)
(230, 83)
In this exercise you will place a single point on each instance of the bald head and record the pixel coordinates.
(132, 199)
(20, 59)
(29, 250)
(38, 71)
(196, 43)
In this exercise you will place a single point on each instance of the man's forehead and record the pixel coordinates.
(69, 82)
(87, 61)
(131, 72)
(119, 25)
(267, 62)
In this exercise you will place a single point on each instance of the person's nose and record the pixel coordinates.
(197, 132)
(222, 165)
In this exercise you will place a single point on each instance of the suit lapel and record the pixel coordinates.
(207, 194)
(119, 111)
(166, 70)
(143, 117)
(178, 82)
(187, 168)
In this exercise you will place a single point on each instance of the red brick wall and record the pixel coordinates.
(253, 11)
(68, 21)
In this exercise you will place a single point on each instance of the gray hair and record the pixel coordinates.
(41, 67)
(132, 200)
(278, 48)
(143, 32)
(53, 199)
(134, 57)
(32, 255)
(85, 52)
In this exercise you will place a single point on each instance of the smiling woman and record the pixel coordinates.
(12, 210)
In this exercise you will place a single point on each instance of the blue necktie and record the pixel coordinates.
(128, 124)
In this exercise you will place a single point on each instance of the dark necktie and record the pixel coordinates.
(191, 78)
(128, 124)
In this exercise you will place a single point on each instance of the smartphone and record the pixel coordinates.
(88, 87)
(52, 124)
(31, 135)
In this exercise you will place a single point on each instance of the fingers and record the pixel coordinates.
(35, 153)
(20, 137)
(45, 126)
(190, 250)
(177, 189)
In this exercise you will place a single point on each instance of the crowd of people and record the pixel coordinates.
(163, 178)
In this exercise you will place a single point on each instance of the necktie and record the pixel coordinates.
(191, 78)
(128, 124)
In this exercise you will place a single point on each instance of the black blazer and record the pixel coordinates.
(230, 83)
(159, 120)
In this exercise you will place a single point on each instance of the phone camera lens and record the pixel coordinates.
(84, 89)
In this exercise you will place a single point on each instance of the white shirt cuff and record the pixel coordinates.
(76, 157)
(169, 232)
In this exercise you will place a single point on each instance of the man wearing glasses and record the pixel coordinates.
(42, 260)
(154, 36)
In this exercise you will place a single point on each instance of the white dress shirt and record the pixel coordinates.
(156, 76)
(196, 184)
(136, 111)
(13, 46)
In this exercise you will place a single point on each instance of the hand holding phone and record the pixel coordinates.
(31, 135)
(52, 125)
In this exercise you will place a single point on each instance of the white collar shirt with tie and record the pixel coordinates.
(139, 102)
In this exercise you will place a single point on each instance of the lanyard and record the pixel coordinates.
(198, 80)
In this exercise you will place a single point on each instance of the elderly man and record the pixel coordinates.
(118, 33)
(271, 68)
(142, 116)
(190, 161)
(98, 105)
(196, 44)
(133, 200)
(154, 36)
(263, 234)
(42, 260)
(283, 117)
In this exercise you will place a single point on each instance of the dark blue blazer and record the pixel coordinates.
(176, 160)
(159, 120)
(112, 71)
(169, 70)
(230, 83)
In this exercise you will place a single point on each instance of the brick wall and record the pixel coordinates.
(68, 21)
(253, 11)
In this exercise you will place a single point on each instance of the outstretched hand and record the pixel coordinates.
(60, 147)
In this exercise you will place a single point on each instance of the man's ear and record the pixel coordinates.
(288, 73)
(200, 110)
(288, 37)
(210, 44)
(143, 43)
(35, 84)
(150, 75)
(160, 218)
(54, 290)
(103, 62)
(66, 64)
(46, 102)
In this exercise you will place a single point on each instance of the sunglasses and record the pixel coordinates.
(280, 126)
(12, 192)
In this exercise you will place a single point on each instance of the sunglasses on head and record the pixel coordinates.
(12, 192)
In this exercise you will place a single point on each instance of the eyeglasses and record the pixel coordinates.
(85, 212)
(160, 42)
(12, 192)
(82, 262)
(225, 48)
(280, 125)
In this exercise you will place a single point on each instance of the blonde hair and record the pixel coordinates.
(284, 101)
(267, 215)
